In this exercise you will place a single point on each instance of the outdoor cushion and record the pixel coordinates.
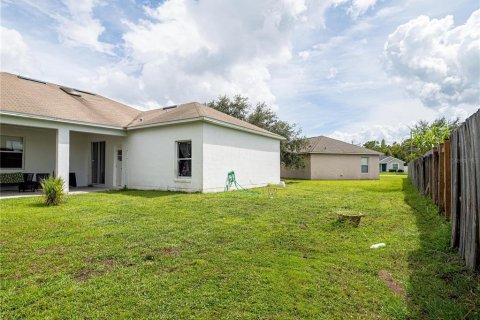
(15, 177)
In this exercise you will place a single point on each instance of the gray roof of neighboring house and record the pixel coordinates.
(322, 144)
(21, 95)
(387, 159)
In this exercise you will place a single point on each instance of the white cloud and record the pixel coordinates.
(357, 7)
(74, 23)
(437, 62)
(391, 133)
(304, 54)
(15, 55)
(79, 28)
(332, 73)
(188, 51)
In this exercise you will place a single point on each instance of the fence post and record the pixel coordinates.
(434, 183)
(441, 178)
(448, 179)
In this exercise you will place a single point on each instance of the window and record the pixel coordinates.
(395, 166)
(184, 158)
(364, 165)
(11, 152)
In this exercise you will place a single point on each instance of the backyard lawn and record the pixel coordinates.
(237, 255)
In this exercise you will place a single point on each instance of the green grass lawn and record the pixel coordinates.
(163, 255)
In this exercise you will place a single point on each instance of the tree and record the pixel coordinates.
(372, 145)
(238, 107)
(264, 117)
(423, 136)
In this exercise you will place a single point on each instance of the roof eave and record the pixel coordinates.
(208, 120)
(349, 153)
(39, 117)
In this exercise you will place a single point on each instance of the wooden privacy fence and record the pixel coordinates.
(450, 175)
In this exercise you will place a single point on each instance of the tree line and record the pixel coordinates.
(424, 136)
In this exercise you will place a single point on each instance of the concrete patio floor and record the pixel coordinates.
(9, 194)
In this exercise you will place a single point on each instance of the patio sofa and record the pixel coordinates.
(24, 181)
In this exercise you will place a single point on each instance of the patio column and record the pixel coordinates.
(62, 166)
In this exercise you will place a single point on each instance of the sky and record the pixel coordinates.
(355, 70)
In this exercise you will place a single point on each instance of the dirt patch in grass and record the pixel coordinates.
(161, 252)
(85, 273)
(96, 267)
(173, 269)
(169, 251)
(387, 278)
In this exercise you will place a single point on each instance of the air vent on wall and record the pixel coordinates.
(170, 107)
(30, 79)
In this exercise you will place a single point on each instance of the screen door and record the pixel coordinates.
(98, 162)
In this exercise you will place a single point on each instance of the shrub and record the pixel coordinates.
(400, 170)
(53, 190)
(392, 170)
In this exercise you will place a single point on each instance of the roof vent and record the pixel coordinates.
(30, 79)
(71, 91)
(170, 107)
(140, 119)
(93, 94)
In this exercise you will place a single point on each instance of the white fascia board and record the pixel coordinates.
(233, 126)
(340, 153)
(208, 120)
(24, 119)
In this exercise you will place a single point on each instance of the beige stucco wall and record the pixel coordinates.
(335, 167)
(303, 173)
(343, 167)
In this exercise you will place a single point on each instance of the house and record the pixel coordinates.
(389, 163)
(329, 159)
(48, 128)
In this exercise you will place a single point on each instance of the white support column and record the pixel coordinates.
(62, 165)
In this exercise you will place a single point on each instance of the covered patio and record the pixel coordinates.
(82, 155)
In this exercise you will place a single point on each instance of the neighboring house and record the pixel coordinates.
(388, 163)
(329, 159)
(48, 128)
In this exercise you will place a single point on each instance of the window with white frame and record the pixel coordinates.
(184, 158)
(11, 152)
(395, 166)
(364, 165)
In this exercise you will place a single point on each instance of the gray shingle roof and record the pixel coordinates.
(322, 144)
(50, 100)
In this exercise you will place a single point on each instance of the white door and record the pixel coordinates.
(118, 167)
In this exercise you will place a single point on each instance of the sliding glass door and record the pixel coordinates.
(98, 162)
